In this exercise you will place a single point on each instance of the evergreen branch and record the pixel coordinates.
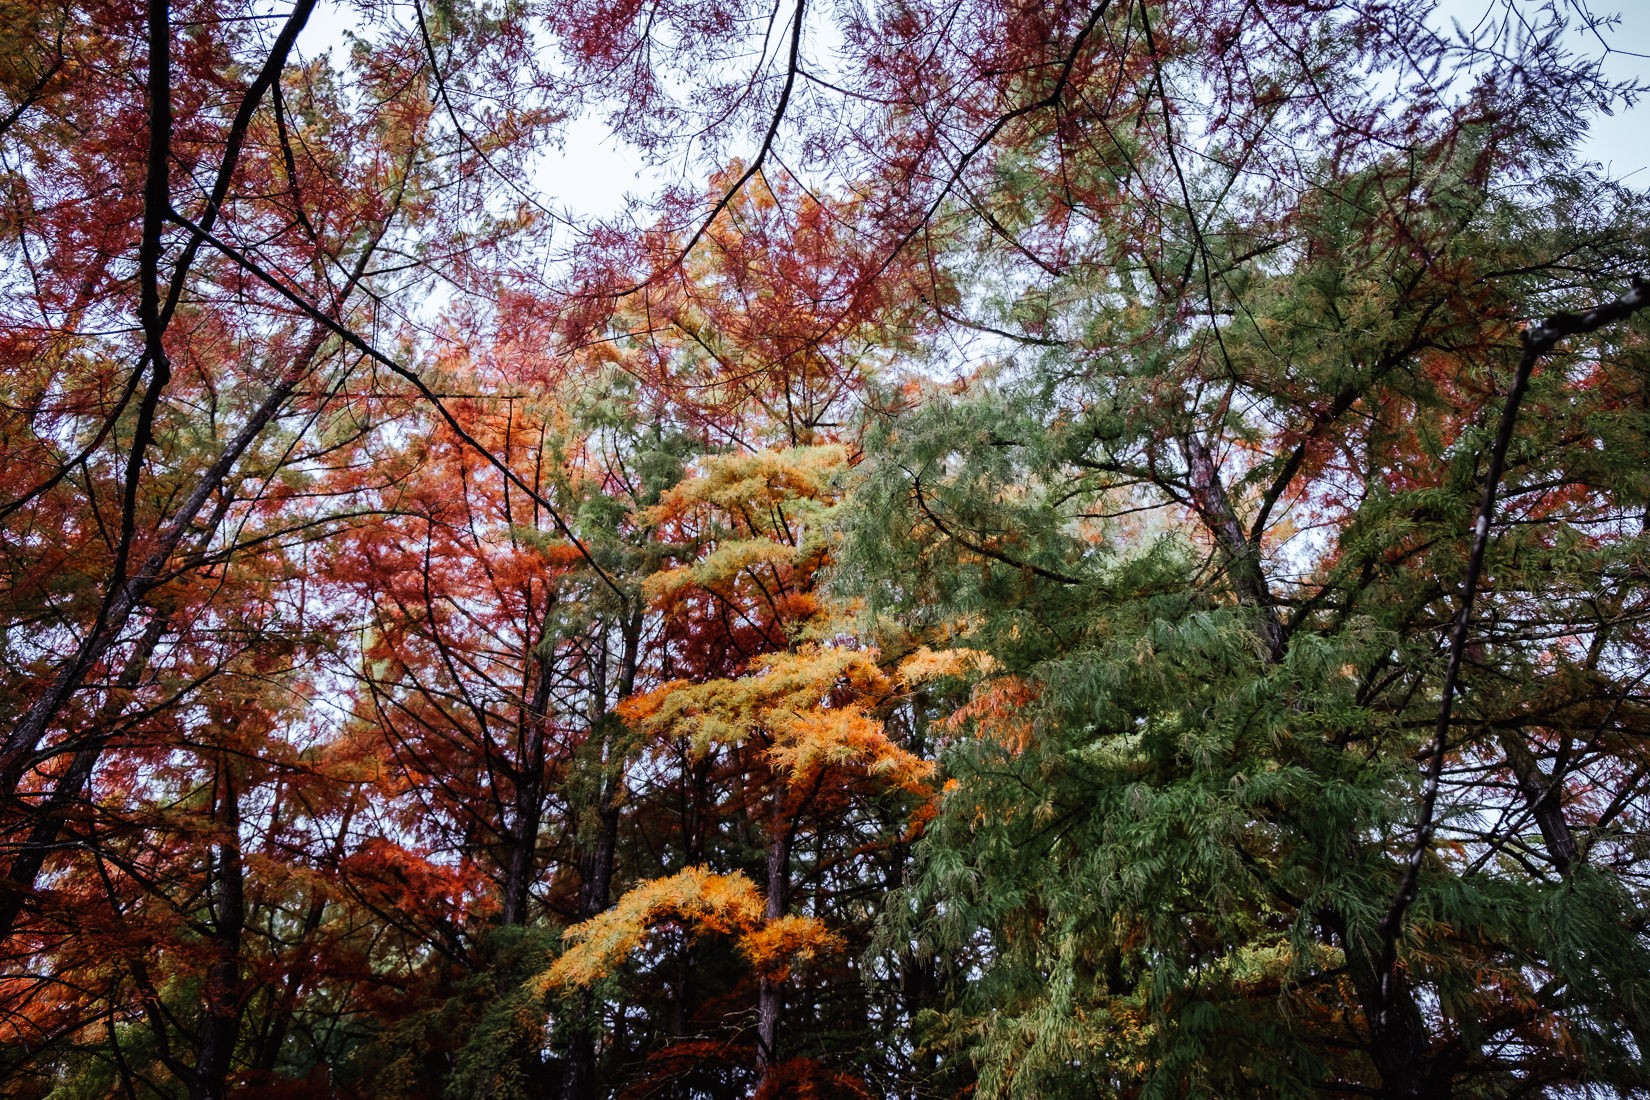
(1538, 340)
(985, 551)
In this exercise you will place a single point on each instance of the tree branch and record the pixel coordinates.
(1537, 342)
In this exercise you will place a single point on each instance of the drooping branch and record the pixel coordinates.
(985, 551)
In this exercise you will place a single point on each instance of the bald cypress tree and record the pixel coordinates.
(1281, 782)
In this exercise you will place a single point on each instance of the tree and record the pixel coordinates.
(1209, 519)
(161, 484)
(798, 782)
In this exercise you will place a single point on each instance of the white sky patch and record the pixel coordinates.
(1619, 142)
(594, 175)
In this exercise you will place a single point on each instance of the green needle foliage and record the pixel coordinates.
(1212, 536)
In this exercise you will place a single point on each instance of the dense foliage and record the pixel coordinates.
(1060, 550)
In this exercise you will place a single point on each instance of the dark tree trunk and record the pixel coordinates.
(1541, 796)
(1396, 1038)
(599, 849)
(527, 803)
(285, 1001)
(1241, 553)
(223, 993)
(770, 997)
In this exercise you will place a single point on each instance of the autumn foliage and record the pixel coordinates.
(1048, 550)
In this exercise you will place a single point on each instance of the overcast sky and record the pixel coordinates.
(592, 174)
(1620, 142)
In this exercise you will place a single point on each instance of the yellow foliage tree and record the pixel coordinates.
(793, 712)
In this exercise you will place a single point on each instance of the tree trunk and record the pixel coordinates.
(770, 993)
(1242, 555)
(1397, 1041)
(527, 803)
(1541, 796)
(596, 859)
(285, 1001)
(223, 994)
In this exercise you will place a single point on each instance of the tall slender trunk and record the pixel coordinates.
(527, 800)
(770, 994)
(599, 849)
(285, 1000)
(1541, 796)
(224, 993)
(521, 866)
(579, 1074)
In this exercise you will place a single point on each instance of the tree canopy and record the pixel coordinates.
(1088, 549)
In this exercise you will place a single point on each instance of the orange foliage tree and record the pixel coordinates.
(801, 787)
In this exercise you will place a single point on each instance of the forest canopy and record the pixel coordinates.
(1052, 549)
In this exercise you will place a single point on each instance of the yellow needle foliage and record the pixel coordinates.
(701, 902)
(812, 704)
(779, 687)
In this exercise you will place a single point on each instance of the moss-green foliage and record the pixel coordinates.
(1164, 859)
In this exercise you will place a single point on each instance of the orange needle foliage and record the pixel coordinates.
(701, 902)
